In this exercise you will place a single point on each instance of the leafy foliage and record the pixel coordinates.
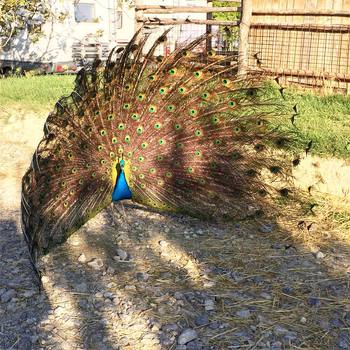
(18, 15)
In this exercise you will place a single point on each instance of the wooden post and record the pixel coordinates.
(244, 27)
(138, 14)
(208, 27)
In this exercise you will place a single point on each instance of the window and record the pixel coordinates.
(119, 19)
(84, 12)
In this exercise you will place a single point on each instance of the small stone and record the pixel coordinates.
(165, 340)
(24, 343)
(96, 263)
(266, 295)
(288, 339)
(319, 255)
(131, 288)
(155, 327)
(343, 340)
(108, 295)
(83, 304)
(142, 276)
(314, 302)
(303, 320)
(276, 246)
(29, 293)
(209, 305)
(99, 295)
(287, 290)
(277, 345)
(34, 338)
(180, 347)
(214, 325)
(7, 296)
(186, 336)
(59, 311)
(266, 228)
(336, 323)
(194, 345)
(279, 330)
(201, 320)
(347, 319)
(171, 327)
(45, 279)
(82, 258)
(81, 287)
(243, 313)
(122, 254)
(242, 333)
(209, 284)
(110, 270)
(163, 243)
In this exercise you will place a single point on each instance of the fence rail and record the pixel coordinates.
(162, 9)
(301, 13)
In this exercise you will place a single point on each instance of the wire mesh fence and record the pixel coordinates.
(223, 39)
(306, 54)
(305, 42)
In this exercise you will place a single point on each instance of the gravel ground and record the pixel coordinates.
(136, 279)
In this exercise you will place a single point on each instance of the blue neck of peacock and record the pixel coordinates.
(121, 189)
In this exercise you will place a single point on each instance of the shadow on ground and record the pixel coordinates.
(137, 280)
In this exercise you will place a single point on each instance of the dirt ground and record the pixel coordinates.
(136, 279)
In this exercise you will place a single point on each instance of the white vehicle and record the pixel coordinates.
(78, 32)
(82, 30)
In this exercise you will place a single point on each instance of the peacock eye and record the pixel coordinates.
(152, 109)
(232, 103)
(192, 112)
(152, 77)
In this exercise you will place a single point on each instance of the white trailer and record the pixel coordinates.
(78, 31)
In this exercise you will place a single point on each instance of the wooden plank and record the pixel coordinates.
(171, 21)
(289, 12)
(308, 73)
(160, 9)
(308, 27)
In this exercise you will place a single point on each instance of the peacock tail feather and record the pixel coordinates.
(194, 136)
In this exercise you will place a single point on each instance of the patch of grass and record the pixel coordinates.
(35, 93)
(323, 119)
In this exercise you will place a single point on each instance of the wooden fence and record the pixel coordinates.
(191, 21)
(305, 42)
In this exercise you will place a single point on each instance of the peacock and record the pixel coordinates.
(182, 133)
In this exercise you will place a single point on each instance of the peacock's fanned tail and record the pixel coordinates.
(195, 138)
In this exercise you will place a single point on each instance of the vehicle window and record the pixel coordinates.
(84, 12)
(119, 19)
